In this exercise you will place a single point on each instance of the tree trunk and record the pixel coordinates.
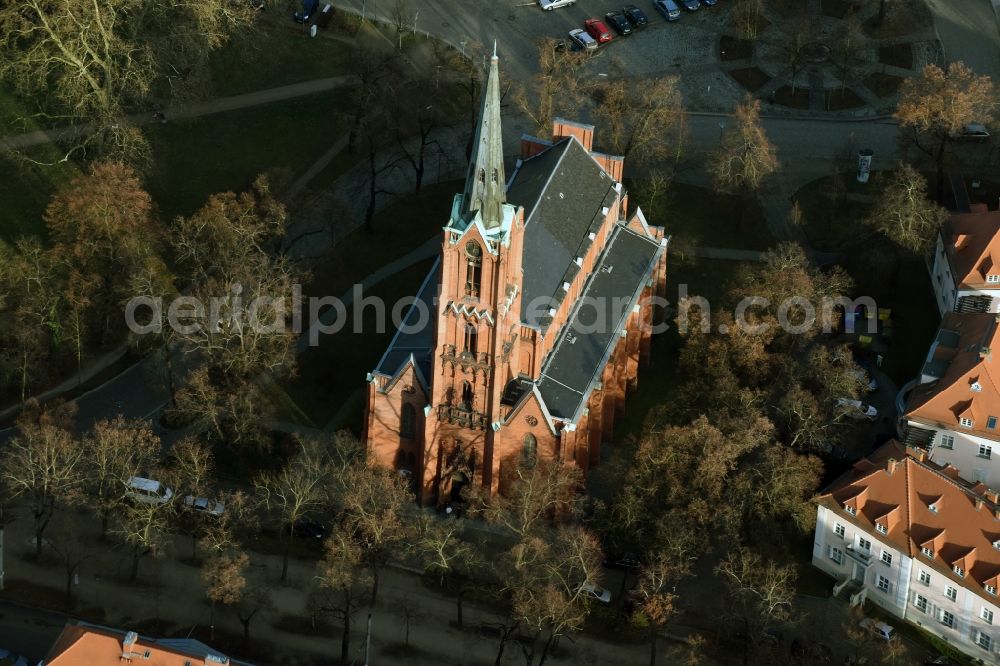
(458, 605)
(652, 644)
(104, 524)
(288, 551)
(375, 573)
(939, 185)
(135, 564)
(545, 650)
(69, 586)
(345, 639)
(246, 629)
(881, 11)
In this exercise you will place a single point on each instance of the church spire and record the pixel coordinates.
(485, 182)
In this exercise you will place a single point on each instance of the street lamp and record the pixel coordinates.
(722, 132)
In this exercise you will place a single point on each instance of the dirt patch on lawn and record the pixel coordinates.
(751, 78)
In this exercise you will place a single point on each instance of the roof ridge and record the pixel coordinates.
(909, 514)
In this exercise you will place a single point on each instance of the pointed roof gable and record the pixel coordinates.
(485, 182)
(972, 243)
(968, 384)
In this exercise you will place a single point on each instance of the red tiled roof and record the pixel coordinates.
(970, 363)
(961, 530)
(972, 241)
(83, 644)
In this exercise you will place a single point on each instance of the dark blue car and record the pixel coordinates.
(305, 14)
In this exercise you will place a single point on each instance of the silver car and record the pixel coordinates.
(584, 40)
(549, 5)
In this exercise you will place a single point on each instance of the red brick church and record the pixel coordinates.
(539, 311)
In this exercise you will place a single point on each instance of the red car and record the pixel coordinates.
(597, 30)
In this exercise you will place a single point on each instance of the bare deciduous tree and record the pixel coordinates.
(42, 464)
(297, 491)
(904, 214)
(935, 106)
(644, 122)
(557, 88)
(760, 594)
(341, 579)
(372, 499)
(94, 61)
(115, 451)
(746, 157)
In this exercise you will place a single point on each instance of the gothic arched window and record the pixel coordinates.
(473, 269)
(482, 175)
(466, 395)
(407, 421)
(529, 451)
(471, 338)
(496, 175)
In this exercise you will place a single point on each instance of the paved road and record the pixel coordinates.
(968, 31)
(29, 632)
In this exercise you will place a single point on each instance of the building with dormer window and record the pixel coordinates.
(966, 268)
(911, 536)
(954, 411)
(539, 310)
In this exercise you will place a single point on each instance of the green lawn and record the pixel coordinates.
(278, 53)
(709, 278)
(333, 373)
(198, 157)
(894, 278)
(697, 216)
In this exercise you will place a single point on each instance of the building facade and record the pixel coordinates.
(953, 414)
(920, 542)
(527, 334)
(966, 268)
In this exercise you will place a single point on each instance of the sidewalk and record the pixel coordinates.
(172, 591)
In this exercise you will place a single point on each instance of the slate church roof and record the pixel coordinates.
(563, 191)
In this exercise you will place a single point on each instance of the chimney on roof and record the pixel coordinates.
(128, 643)
(979, 503)
(890, 466)
(991, 496)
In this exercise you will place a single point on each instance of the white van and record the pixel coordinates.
(148, 491)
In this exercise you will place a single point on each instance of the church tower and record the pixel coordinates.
(478, 310)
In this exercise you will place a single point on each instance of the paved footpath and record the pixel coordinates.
(208, 107)
(158, 594)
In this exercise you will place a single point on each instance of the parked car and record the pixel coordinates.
(974, 131)
(709, 3)
(305, 14)
(635, 16)
(304, 528)
(204, 505)
(691, 5)
(595, 28)
(668, 8)
(618, 21)
(549, 5)
(580, 37)
(596, 592)
(625, 561)
(148, 491)
(8, 658)
(880, 629)
(857, 409)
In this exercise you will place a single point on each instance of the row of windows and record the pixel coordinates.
(965, 422)
(985, 450)
(947, 618)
